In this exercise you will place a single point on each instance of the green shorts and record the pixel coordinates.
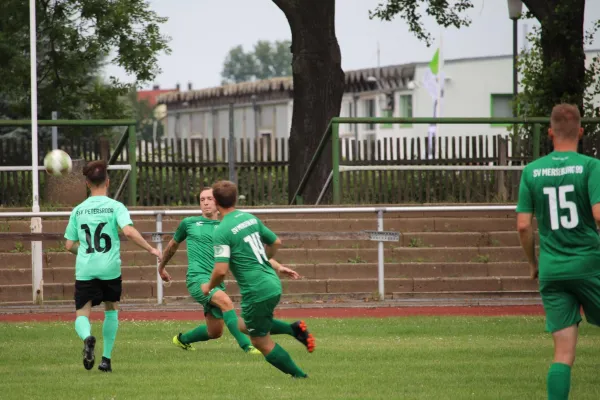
(204, 300)
(564, 299)
(259, 316)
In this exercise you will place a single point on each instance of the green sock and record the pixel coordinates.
(281, 328)
(109, 331)
(199, 334)
(83, 327)
(231, 321)
(559, 381)
(280, 359)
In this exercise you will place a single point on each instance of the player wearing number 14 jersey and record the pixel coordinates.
(243, 244)
(562, 189)
(92, 234)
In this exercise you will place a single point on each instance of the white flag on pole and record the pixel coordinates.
(434, 83)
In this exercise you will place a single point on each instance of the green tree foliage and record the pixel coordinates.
(535, 96)
(75, 40)
(143, 113)
(559, 65)
(266, 60)
(446, 14)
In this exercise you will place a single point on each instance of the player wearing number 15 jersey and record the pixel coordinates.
(92, 234)
(562, 189)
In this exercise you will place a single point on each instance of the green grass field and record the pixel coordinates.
(392, 358)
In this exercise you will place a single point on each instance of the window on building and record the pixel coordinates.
(406, 107)
(370, 112)
(501, 105)
(387, 114)
(346, 129)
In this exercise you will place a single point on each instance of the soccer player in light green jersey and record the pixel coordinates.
(92, 234)
(562, 190)
(238, 245)
(218, 307)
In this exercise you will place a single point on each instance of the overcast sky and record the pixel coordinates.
(203, 31)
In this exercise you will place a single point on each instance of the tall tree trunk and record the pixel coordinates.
(318, 88)
(562, 49)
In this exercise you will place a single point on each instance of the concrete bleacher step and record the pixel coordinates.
(22, 260)
(460, 255)
(407, 239)
(307, 271)
(437, 224)
(147, 289)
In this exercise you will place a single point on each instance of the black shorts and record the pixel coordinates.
(97, 290)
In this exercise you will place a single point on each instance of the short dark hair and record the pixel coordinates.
(205, 188)
(96, 172)
(225, 193)
(565, 121)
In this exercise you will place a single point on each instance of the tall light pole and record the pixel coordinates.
(515, 8)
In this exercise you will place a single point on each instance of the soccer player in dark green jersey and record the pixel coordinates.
(562, 190)
(93, 235)
(218, 307)
(239, 245)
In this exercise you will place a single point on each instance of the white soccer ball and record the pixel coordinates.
(58, 163)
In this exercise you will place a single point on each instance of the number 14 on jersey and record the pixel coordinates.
(257, 247)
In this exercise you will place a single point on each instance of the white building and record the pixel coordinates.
(474, 87)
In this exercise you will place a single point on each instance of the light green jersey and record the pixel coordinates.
(95, 225)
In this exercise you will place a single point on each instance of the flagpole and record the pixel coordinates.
(440, 80)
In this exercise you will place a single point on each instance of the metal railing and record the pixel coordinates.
(332, 134)
(379, 235)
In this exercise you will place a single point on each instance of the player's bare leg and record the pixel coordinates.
(84, 330)
(559, 375)
(230, 318)
(277, 356)
(214, 326)
(109, 333)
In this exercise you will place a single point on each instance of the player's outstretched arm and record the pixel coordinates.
(283, 269)
(217, 277)
(72, 246)
(596, 212)
(132, 234)
(525, 229)
(271, 249)
(168, 253)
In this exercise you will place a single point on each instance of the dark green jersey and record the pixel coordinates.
(561, 189)
(199, 234)
(239, 241)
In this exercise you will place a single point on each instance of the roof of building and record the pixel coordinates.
(389, 77)
(367, 79)
(151, 96)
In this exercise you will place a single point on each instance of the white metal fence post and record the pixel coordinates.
(159, 284)
(36, 222)
(37, 272)
(380, 261)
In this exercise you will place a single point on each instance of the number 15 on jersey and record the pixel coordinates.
(560, 202)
